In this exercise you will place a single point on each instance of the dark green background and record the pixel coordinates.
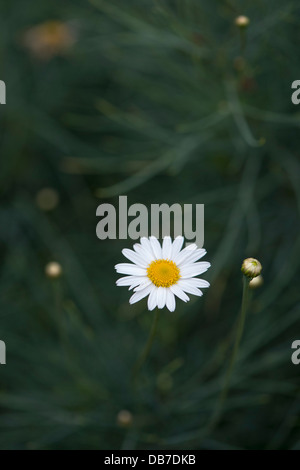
(164, 101)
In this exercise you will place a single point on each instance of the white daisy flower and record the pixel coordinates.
(163, 272)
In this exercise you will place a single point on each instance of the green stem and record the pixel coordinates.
(243, 38)
(240, 329)
(140, 362)
(58, 296)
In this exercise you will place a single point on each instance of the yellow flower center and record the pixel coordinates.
(163, 273)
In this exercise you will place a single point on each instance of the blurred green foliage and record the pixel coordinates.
(165, 101)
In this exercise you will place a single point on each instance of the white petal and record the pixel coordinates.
(149, 257)
(126, 268)
(156, 248)
(177, 245)
(167, 248)
(161, 297)
(135, 258)
(179, 292)
(130, 280)
(191, 270)
(187, 287)
(184, 254)
(147, 246)
(170, 301)
(137, 296)
(192, 257)
(143, 284)
(194, 281)
(152, 299)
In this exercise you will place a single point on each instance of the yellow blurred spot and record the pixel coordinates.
(47, 199)
(49, 39)
(262, 141)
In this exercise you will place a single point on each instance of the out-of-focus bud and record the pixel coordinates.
(256, 282)
(239, 63)
(47, 199)
(49, 39)
(53, 270)
(242, 21)
(251, 267)
(164, 382)
(124, 418)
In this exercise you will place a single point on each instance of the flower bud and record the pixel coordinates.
(242, 21)
(53, 270)
(124, 418)
(47, 199)
(256, 282)
(251, 267)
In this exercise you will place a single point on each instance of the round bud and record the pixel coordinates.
(242, 21)
(53, 270)
(124, 418)
(251, 267)
(256, 282)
